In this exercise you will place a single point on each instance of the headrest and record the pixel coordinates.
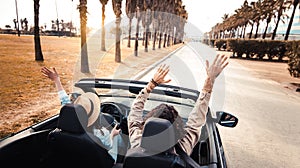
(72, 118)
(158, 135)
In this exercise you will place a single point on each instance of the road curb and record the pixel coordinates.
(149, 68)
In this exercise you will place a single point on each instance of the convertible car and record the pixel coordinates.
(63, 141)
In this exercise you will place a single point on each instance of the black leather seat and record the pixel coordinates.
(156, 149)
(72, 146)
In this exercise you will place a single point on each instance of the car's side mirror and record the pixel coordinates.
(226, 119)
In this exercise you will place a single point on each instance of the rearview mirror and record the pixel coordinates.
(226, 119)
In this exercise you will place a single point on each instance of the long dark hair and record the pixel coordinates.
(168, 112)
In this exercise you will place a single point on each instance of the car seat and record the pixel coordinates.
(156, 149)
(71, 145)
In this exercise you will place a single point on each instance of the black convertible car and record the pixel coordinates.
(61, 141)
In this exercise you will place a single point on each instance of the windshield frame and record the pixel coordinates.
(134, 86)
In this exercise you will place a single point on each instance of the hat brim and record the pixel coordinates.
(93, 98)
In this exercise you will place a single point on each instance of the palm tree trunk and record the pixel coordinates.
(245, 26)
(265, 32)
(277, 22)
(103, 29)
(37, 42)
(165, 40)
(160, 39)
(136, 46)
(154, 39)
(118, 41)
(148, 22)
(275, 29)
(17, 25)
(266, 29)
(250, 35)
(291, 21)
(129, 33)
(83, 20)
(146, 39)
(143, 43)
(256, 32)
(117, 8)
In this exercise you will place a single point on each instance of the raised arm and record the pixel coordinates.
(53, 75)
(197, 117)
(135, 117)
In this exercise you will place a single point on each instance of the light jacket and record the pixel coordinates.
(196, 120)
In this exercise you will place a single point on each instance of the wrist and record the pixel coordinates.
(208, 85)
(154, 82)
(150, 86)
(56, 79)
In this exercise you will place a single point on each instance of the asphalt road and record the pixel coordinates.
(268, 132)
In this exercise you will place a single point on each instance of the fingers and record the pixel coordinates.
(161, 73)
(215, 60)
(224, 65)
(161, 68)
(167, 81)
(165, 71)
(54, 70)
(207, 65)
(219, 63)
(225, 62)
(45, 71)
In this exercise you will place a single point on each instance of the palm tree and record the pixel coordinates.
(161, 21)
(103, 2)
(83, 19)
(171, 13)
(130, 10)
(177, 21)
(147, 20)
(241, 18)
(139, 13)
(295, 4)
(258, 9)
(252, 17)
(281, 7)
(269, 11)
(37, 41)
(184, 16)
(155, 21)
(117, 6)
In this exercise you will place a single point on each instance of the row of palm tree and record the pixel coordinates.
(167, 19)
(253, 15)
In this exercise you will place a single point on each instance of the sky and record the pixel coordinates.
(202, 14)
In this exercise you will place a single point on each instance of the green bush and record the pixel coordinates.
(220, 43)
(257, 49)
(293, 52)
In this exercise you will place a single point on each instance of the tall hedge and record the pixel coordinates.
(294, 58)
(259, 49)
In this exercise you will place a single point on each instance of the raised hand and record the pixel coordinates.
(214, 70)
(159, 76)
(53, 75)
